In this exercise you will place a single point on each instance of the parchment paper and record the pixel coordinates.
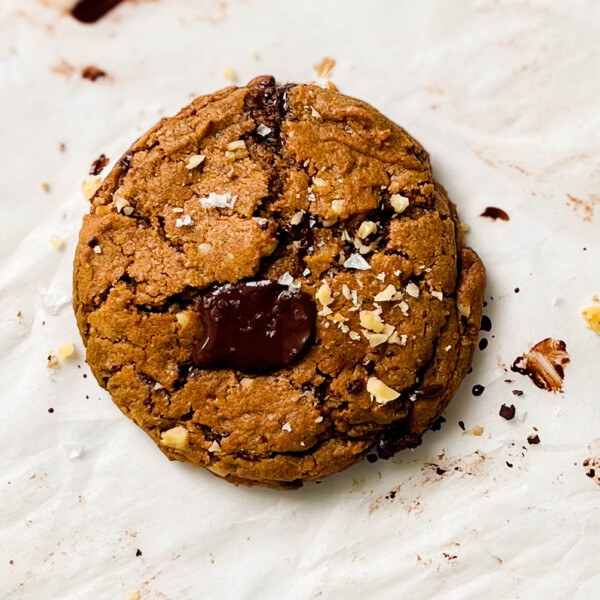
(506, 98)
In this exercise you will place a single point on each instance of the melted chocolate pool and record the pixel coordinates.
(256, 326)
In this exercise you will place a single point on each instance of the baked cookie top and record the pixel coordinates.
(271, 283)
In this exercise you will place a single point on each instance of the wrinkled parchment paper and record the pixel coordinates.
(506, 98)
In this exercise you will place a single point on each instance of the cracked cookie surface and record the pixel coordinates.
(310, 188)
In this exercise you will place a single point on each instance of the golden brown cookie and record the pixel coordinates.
(271, 283)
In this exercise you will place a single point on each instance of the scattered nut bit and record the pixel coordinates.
(286, 427)
(438, 295)
(314, 113)
(195, 160)
(464, 310)
(324, 295)
(477, 430)
(56, 242)
(175, 438)
(324, 67)
(370, 320)
(97, 249)
(177, 209)
(297, 218)
(236, 145)
(263, 130)
(45, 186)
(399, 203)
(204, 249)
(533, 439)
(395, 338)
(380, 392)
(121, 203)
(319, 182)
(591, 314)
(337, 206)
(329, 85)
(319, 420)
(386, 295)
(375, 339)
(183, 318)
(464, 227)
(229, 73)
(412, 289)
(354, 336)
(52, 361)
(66, 350)
(133, 596)
(90, 186)
(366, 229)
(185, 221)
(215, 447)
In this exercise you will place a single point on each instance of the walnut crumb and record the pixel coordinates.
(229, 73)
(324, 67)
(324, 295)
(399, 203)
(66, 350)
(176, 438)
(380, 392)
(477, 430)
(195, 160)
(56, 242)
(90, 186)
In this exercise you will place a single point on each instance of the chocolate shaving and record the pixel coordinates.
(544, 364)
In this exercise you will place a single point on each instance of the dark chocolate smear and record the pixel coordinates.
(90, 11)
(256, 326)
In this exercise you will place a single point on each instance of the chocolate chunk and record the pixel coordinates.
(477, 390)
(495, 213)
(437, 424)
(486, 323)
(138, 552)
(50, 410)
(591, 473)
(533, 439)
(372, 458)
(440, 471)
(509, 465)
(483, 343)
(507, 412)
(91, 72)
(90, 11)
(256, 326)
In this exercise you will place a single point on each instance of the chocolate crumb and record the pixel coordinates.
(138, 552)
(391, 495)
(98, 165)
(440, 471)
(507, 412)
(533, 439)
(372, 458)
(355, 386)
(437, 425)
(477, 390)
(509, 465)
(517, 290)
(90, 11)
(517, 392)
(461, 424)
(91, 73)
(50, 410)
(483, 343)
(591, 473)
(495, 213)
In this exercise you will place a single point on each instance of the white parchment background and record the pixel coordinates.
(506, 97)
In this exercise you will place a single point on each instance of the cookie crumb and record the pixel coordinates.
(52, 361)
(98, 165)
(229, 73)
(591, 314)
(92, 73)
(324, 67)
(45, 186)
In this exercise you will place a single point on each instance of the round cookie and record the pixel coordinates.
(271, 284)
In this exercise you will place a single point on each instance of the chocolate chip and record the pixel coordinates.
(355, 386)
(483, 343)
(255, 326)
(486, 323)
(90, 11)
(495, 213)
(138, 552)
(461, 424)
(591, 473)
(50, 410)
(507, 412)
(510, 465)
(477, 390)
(533, 439)
(517, 290)
(372, 458)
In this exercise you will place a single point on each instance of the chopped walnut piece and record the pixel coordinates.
(337, 206)
(183, 318)
(229, 73)
(195, 160)
(366, 229)
(380, 392)
(215, 447)
(464, 310)
(314, 113)
(324, 295)
(477, 430)
(66, 350)
(56, 242)
(176, 438)
(386, 295)
(324, 67)
(399, 203)
(90, 186)
(236, 145)
(370, 320)
(204, 249)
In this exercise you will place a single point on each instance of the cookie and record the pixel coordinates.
(271, 284)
